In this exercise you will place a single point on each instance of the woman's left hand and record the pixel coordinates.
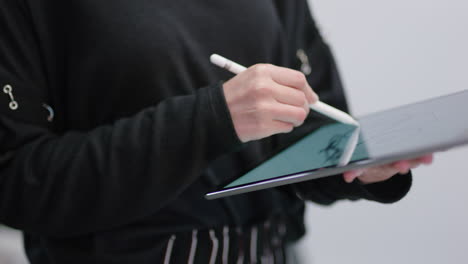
(385, 172)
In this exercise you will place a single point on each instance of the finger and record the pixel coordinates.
(314, 99)
(405, 165)
(402, 166)
(378, 174)
(427, 159)
(278, 127)
(350, 176)
(311, 96)
(294, 79)
(291, 96)
(289, 114)
(415, 164)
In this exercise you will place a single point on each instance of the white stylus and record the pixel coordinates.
(320, 107)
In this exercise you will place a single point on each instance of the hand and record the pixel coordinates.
(385, 172)
(265, 100)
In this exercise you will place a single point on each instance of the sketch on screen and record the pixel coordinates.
(335, 147)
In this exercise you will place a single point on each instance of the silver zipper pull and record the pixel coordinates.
(9, 90)
(305, 65)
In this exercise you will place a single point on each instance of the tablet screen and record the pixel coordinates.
(321, 148)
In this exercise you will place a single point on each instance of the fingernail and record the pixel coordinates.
(316, 97)
(348, 178)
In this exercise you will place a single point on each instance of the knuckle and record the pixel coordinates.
(262, 88)
(300, 78)
(301, 114)
(260, 69)
(261, 107)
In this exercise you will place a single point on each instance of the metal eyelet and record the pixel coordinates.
(8, 89)
(50, 110)
(13, 105)
(305, 65)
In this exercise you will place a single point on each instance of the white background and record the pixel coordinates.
(392, 53)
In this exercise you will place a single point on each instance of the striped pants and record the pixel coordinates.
(263, 243)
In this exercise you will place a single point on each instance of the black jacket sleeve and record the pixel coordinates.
(324, 79)
(79, 182)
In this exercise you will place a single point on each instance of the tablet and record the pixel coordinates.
(401, 133)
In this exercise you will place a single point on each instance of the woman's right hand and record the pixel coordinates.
(265, 100)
